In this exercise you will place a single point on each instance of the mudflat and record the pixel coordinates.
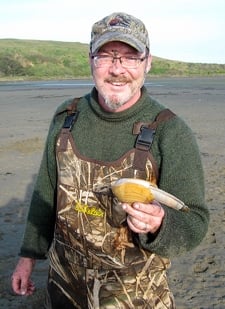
(197, 279)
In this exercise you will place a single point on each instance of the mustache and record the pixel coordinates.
(121, 79)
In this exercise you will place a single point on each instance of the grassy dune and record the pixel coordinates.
(35, 60)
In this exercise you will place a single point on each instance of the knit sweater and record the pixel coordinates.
(107, 136)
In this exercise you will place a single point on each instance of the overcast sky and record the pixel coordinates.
(185, 30)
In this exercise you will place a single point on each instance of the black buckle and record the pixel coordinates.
(145, 137)
(69, 121)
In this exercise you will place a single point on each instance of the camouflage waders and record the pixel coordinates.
(95, 260)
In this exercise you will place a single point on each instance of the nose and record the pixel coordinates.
(116, 65)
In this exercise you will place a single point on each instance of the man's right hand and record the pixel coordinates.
(21, 282)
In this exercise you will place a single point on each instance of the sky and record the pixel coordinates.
(184, 30)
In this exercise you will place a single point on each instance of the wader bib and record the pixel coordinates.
(96, 261)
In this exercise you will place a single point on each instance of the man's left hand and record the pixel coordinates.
(143, 218)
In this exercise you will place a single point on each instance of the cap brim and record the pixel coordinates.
(117, 36)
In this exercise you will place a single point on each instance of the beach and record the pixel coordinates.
(197, 278)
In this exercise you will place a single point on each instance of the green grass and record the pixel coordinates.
(36, 60)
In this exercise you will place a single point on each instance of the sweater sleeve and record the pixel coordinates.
(181, 174)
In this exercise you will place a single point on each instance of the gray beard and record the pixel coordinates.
(112, 105)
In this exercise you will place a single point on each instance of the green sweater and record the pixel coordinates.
(106, 136)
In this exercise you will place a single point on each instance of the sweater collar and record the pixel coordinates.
(110, 116)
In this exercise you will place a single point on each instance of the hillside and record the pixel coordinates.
(34, 60)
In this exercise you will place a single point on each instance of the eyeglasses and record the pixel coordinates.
(104, 61)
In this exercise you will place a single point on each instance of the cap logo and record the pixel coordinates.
(118, 22)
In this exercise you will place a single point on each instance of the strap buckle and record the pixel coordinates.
(145, 138)
(70, 120)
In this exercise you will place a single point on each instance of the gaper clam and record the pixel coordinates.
(130, 190)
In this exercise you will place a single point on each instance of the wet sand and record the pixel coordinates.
(197, 279)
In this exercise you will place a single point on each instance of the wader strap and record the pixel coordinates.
(72, 114)
(144, 140)
(72, 107)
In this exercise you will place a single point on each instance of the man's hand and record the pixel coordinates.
(21, 282)
(144, 218)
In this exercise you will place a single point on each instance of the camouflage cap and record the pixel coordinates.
(119, 27)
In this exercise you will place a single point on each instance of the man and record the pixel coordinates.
(103, 253)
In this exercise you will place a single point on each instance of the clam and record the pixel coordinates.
(130, 190)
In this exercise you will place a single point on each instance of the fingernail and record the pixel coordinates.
(23, 292)
(124, 206)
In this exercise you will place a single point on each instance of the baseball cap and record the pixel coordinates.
(119, 27)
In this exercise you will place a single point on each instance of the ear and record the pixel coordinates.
(148, 63)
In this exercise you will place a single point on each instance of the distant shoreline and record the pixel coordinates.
(88, 80)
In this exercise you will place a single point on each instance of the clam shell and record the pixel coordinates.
(130, 190)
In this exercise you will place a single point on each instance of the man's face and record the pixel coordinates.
(119, 84)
